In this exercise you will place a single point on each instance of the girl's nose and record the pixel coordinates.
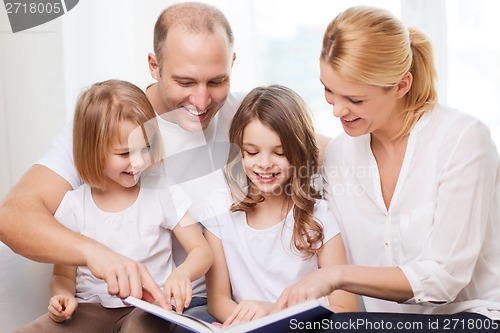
(265, 161)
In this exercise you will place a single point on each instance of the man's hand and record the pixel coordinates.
(124, 276)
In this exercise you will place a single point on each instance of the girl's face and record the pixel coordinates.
(362, 108)
(128, 156)
(264, 161)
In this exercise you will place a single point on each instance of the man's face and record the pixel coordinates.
(194, 77)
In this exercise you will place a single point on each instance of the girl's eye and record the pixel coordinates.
(251, 153)
(124, 154)
(280, 154)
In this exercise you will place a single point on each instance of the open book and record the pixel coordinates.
(282, 321)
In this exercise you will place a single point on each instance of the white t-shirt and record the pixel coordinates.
(181, 158)
(142, 232)
(263, 262)
(442, 226)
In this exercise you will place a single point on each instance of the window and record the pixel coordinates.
(279, 41)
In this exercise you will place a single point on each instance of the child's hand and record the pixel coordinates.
(248, 310)
(61, 307)
(178, 287)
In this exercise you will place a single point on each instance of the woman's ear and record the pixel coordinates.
(154, 68)
(404, 85)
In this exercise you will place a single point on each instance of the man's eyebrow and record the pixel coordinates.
(179, 77)
(188, 78)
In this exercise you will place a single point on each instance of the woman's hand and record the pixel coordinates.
(178, 287)
(61, 307)
(314, 285)
(248, 310)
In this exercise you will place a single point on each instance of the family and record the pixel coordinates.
(132, 199)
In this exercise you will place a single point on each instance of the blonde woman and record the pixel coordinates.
(414, 184)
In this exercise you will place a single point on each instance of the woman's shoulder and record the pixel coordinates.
(446, 116)
(456, 125)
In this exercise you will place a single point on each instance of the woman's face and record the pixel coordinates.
(362, 108)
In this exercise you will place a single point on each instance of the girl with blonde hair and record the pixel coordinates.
(115, 140)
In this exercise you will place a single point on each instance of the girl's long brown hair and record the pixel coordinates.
(283, 111)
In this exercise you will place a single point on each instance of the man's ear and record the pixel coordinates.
(154, 68)
(404, 85)
(234, 58)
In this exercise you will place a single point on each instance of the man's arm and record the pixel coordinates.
(27, 224)
(28, 227)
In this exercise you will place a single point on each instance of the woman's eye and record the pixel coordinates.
(251, 153)
(355, 101)
(124, 154)
(280, 154)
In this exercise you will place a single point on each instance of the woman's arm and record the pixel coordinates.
(387, 283)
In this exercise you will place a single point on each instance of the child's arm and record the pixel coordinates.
(197, 263)
(63, 303)
(220, 303)
(333, 253)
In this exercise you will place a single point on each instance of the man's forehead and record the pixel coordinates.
(184, 32)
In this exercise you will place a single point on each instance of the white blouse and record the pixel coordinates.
(442, 227)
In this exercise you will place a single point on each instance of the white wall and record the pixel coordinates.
(43, 70)
(31, 96)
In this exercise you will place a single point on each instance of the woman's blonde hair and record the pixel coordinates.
(370, 46)
(99, 112)
(286, 113)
